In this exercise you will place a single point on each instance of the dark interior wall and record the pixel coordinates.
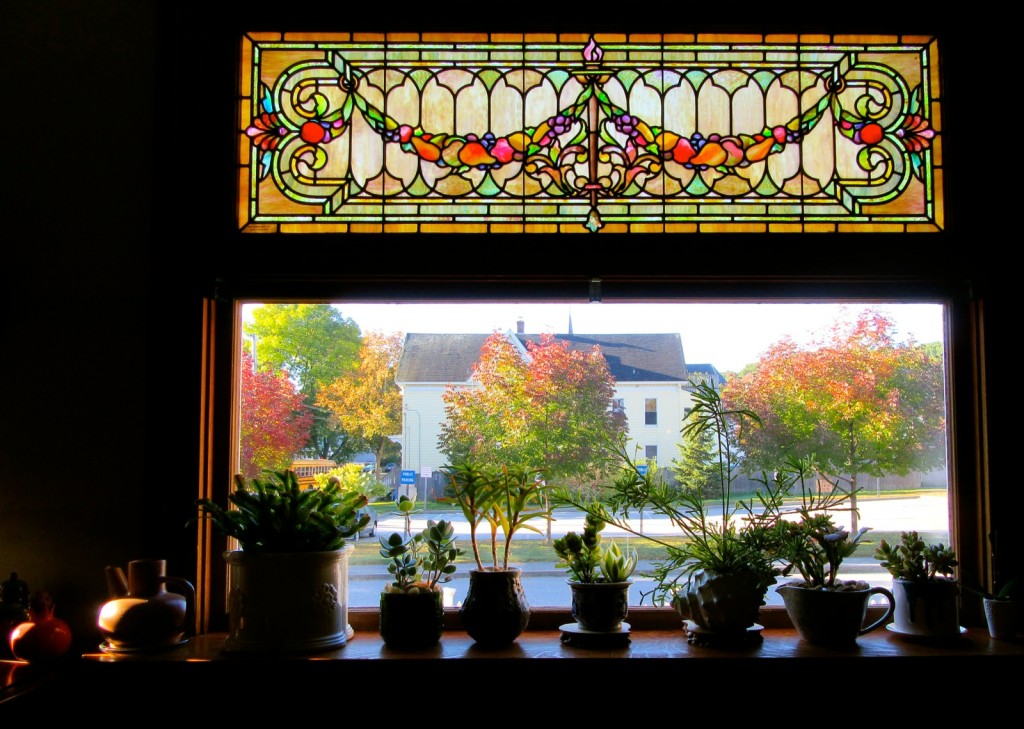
(116, 112)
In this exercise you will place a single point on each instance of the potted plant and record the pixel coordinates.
(824, 609)
(505, 499)
(599, 578)
(927, 595)
(412, 604)
(1000, 609)
(289, 578)
(718, 578)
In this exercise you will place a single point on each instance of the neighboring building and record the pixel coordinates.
(650, 387)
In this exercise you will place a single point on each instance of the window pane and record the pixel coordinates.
(366, 384)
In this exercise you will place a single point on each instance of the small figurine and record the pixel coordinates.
(43, 636)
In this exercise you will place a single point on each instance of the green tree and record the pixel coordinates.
(858, 402)
(275, 422)
(696, 468)
(315, 345)
(365, 402)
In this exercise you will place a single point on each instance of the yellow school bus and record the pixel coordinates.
(307, 468)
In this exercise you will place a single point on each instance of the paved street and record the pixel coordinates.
(545, 586)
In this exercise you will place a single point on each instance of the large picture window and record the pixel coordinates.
(367, 387)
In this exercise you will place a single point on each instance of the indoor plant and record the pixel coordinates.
(1000, 609)
(289, 580)
(824, 609)
(927, 595)
(505, 498)
(412, 605)
(599, 577)
(718, 579)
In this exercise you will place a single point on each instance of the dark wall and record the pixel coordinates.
(115, 115)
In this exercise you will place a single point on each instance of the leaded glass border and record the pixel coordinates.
(588, 133)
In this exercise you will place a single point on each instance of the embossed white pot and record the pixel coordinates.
(288, 603)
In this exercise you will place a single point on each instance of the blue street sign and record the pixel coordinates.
(408, 478)
(641, 468)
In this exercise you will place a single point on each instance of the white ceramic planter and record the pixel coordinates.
(288, 603)
(927, 609)
(1001, 616)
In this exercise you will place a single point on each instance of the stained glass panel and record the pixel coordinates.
(588, 133)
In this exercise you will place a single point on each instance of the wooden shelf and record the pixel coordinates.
(655, 659)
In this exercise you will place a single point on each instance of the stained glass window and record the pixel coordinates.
(586, 133)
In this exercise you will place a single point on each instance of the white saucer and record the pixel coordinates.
(575, 629)
(891, 627)
(108, 647)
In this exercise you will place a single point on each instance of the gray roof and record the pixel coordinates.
(630, 357)
(706, 373)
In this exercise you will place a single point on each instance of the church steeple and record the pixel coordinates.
(570, 323)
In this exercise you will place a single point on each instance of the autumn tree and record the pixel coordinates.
(275, 421)
(315, 345)
(546, 408)
(858, 402)
(365, 402)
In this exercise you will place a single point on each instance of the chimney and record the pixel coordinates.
(520, 326)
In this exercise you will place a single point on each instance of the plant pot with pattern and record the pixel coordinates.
(412, 605)
(599, 583)
(495, 611)
(289, 580)
(927, 595)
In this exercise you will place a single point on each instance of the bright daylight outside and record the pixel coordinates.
(842, 402)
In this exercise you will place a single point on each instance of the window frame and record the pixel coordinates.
(969, 514)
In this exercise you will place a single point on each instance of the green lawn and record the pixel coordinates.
(526, 550)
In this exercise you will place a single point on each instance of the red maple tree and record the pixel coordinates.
(275, 421)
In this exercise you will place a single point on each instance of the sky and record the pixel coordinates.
(728, 336)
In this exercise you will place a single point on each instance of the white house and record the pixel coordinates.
(650, 386)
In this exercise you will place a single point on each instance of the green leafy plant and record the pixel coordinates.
(812, 544)
(586, 561)
(504, 498)
(815, 547)
(915, 561)
(406, 508)
(744, 537)
(421, 561)
(276, 515)
(1003, 594)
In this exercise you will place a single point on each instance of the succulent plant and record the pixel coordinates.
(587, 561)
(423, 560)
(914, 560)
(276, 515)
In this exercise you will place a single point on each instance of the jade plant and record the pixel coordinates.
(586, 561)
(505, 498)
(421, 561)
(276, 515)
(914, 560)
